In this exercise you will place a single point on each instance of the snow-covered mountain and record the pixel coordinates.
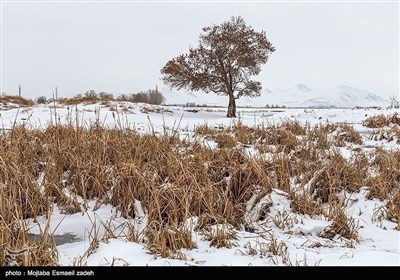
(300, 88)
(297, 96)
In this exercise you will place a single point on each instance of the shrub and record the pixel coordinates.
(17, 100)
(41, 100)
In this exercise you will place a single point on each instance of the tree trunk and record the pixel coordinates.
(231, 108)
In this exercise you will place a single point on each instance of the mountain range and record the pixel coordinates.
(298, 96)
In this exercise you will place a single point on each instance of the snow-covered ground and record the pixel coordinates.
(295, 236)
(299, 95)
(141, 117)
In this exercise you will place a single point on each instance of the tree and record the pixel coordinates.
(140, 97)
(227, 56)
(90, 93)
(41, 100)
(123, 97)
(155, 97)
(394, 102)
(105, 95)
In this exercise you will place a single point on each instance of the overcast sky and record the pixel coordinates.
(120, 47)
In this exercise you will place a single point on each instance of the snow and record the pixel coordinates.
(298, 235)
(297, 96)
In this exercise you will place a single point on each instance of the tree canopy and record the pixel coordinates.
(227, 57)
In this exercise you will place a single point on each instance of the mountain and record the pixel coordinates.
(349, 94)
(298, 96)
(300, 88)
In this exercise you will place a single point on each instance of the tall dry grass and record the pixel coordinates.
(10, 102)
(117, 167)
(175, 180)
(378, 121)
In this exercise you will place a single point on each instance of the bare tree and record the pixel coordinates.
(90, 93)
(155, 97)
(141, 97)
(123, 97)
(227, 56)
(41, 100)
(105, 95)
(394, 101)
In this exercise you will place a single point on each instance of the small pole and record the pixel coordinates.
(19, 90)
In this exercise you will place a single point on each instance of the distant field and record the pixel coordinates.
(117, 183)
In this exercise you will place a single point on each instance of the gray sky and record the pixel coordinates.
(120, 47)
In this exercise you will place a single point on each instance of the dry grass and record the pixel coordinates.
(295, 127)
(318, 136)
(118, 167)
(284, 136)
(347, 133)
(205, 130)
(304, 204)
(311, 161)
(225, 140)
(83, 100)
(388, 134)
(386, 183)
(341, 224)
(175, 181)
(381, 120)
(338, 175)
(220, 236)
(167, 241)
(10, 102)
(393, 209)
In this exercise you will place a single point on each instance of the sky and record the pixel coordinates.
(120, 47)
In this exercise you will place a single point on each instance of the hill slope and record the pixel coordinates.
(297, 96)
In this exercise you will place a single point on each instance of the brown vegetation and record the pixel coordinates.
(378, 121)
(176, 180)
(10, 102)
